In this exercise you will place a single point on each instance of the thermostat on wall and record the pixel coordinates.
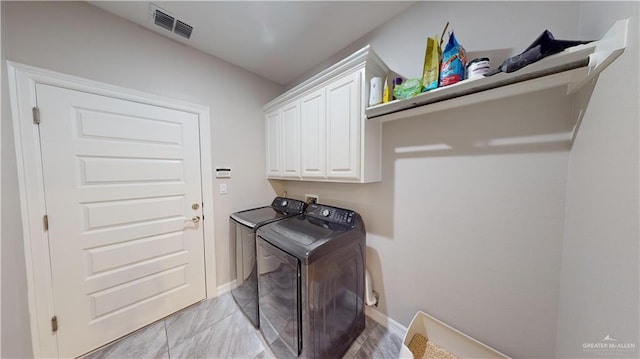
(223, 172)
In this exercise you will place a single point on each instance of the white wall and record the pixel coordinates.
(16, 337)
(82, 40)
(600, 273)
(471, 234)
(3, 89)
(504, 27)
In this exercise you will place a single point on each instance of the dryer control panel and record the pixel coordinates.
(288, 205)
(331, 214)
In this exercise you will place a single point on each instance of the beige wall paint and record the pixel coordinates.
(82, 40)
(504, 27)
(600, 272)
(3, 88)
(15, 331)
(470, 233)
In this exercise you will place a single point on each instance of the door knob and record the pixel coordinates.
(194, 219)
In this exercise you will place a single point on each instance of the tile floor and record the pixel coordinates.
(215, 328)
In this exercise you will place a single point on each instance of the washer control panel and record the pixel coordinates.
(331, 214)
(288, 205)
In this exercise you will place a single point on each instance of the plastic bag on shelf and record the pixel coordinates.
(408, 89)
(431, 68)
(454, 60)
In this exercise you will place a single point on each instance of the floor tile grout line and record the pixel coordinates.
(234, 321)
(166, 337)
(365, 339)
(186, 338)
(264, 342)
(206, 327)
(367, 332)
(175, 314)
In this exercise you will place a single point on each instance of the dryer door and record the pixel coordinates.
(279, 288)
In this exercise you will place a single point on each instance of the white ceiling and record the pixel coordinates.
(279, 40)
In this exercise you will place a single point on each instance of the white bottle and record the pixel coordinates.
(375, 91)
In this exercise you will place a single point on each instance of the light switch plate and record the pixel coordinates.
(223, 188)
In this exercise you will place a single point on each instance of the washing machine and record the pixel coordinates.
(242, 248)
(312, 285)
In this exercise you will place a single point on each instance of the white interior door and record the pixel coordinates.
(120, 180)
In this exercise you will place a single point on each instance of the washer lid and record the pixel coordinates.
(307, 237)
(253, 218)
(280, 208)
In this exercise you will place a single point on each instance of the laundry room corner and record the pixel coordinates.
(471, 200)
(600, 281)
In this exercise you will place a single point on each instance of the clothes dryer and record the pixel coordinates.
(312, 288)
(242, 248)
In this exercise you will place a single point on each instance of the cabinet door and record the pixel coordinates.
(273, 133)
(314, 135)
(343, 127)
(291, 140)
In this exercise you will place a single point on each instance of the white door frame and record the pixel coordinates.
(22, 90)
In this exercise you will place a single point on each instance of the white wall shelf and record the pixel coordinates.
(573, 68)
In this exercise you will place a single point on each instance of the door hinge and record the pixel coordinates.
(36, 115)
(45, 222)
(54, 324)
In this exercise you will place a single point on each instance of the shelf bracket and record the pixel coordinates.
(609, 48)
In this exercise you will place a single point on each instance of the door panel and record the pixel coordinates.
(273, 133)
(121, 296)
(343, 128)
(119, 127)
(117, 255)
(291, 141)
(116, 170)
(314, 135)
(120, 178)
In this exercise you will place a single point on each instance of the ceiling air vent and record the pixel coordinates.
(163, 20)
(169, 22)
(183, 29)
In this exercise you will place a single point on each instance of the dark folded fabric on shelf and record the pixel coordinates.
(545, 45)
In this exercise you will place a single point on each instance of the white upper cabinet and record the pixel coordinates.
(323, 132)
(273, 135)
(290, 140)
(343, 127)
(313, 142)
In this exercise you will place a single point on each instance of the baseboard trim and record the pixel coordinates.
(393, 326)
(221, 289)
